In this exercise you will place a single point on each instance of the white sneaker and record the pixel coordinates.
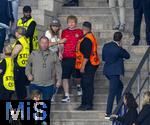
(79, 91)
(66, 99)
(52, 100)
(107, 117)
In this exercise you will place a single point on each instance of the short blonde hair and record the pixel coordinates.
(35, 93)
(146, 98)
(8, 50)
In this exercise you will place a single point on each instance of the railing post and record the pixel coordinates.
(139, 85)
(148, 71)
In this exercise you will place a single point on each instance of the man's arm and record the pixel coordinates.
(28, 70)
(142, 115)
(58, 70)
(16, 50)
(124, 53)
(31, 29)
(87, 48)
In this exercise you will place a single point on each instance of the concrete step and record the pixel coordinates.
(100, 21)
(127, 76)
(97, 98)
(32, 3)
(100, 3)
(59, 106)
(80, 122)
(37, 14)
(77, 115)
(91, 10)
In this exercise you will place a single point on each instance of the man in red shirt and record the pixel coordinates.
(73, 35)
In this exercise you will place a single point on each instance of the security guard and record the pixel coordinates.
(87, 61)
(29, 24)
(21, 52)
(7, 84)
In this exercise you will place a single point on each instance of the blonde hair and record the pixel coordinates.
(146, 98)
(8, 50)
(35, 93)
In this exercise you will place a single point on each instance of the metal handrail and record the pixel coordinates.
(136, 75)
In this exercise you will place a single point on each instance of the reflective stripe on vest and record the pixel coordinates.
(35, 35)
(94, 59)
(23, 55)
(8, 78)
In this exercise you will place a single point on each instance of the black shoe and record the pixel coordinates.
(148, 43)
(89, 108)
(135, 43)
(81, 108)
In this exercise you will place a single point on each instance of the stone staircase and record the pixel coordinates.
(99, 14)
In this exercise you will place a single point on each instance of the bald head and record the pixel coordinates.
(44, 43)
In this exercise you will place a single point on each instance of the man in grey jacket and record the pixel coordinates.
(44, 70)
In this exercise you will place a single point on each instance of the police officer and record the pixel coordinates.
(29, 24)
(87, 61)
(21, 52)
(141, 7)
(7, 86)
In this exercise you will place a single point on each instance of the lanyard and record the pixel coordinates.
(44, 56)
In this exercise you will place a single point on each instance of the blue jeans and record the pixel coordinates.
(47, 91)
(2, 38)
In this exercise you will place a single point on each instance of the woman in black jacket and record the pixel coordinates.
(144, 115)
(131, 113)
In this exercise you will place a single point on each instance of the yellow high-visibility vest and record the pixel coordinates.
(23, 55)
(35, 36)
(8, 78)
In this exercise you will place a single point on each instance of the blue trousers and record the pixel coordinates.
(115, 90)
(47, 92)
(138, 14)
(2, 39)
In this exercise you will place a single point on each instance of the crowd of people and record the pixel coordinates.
(30, 65)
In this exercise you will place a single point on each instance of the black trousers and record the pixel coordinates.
(87, 84)
(6, 95)
(72, 2)
(21, 82)
(138, 14)
(115, 90)
(2, 39)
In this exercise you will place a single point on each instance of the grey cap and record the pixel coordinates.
(55, 22)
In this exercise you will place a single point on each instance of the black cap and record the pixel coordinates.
(27, 9)
(87, 24)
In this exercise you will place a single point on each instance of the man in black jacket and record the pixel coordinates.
(141, 7)
(29, 24)
(6, 18)
(113, 55)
